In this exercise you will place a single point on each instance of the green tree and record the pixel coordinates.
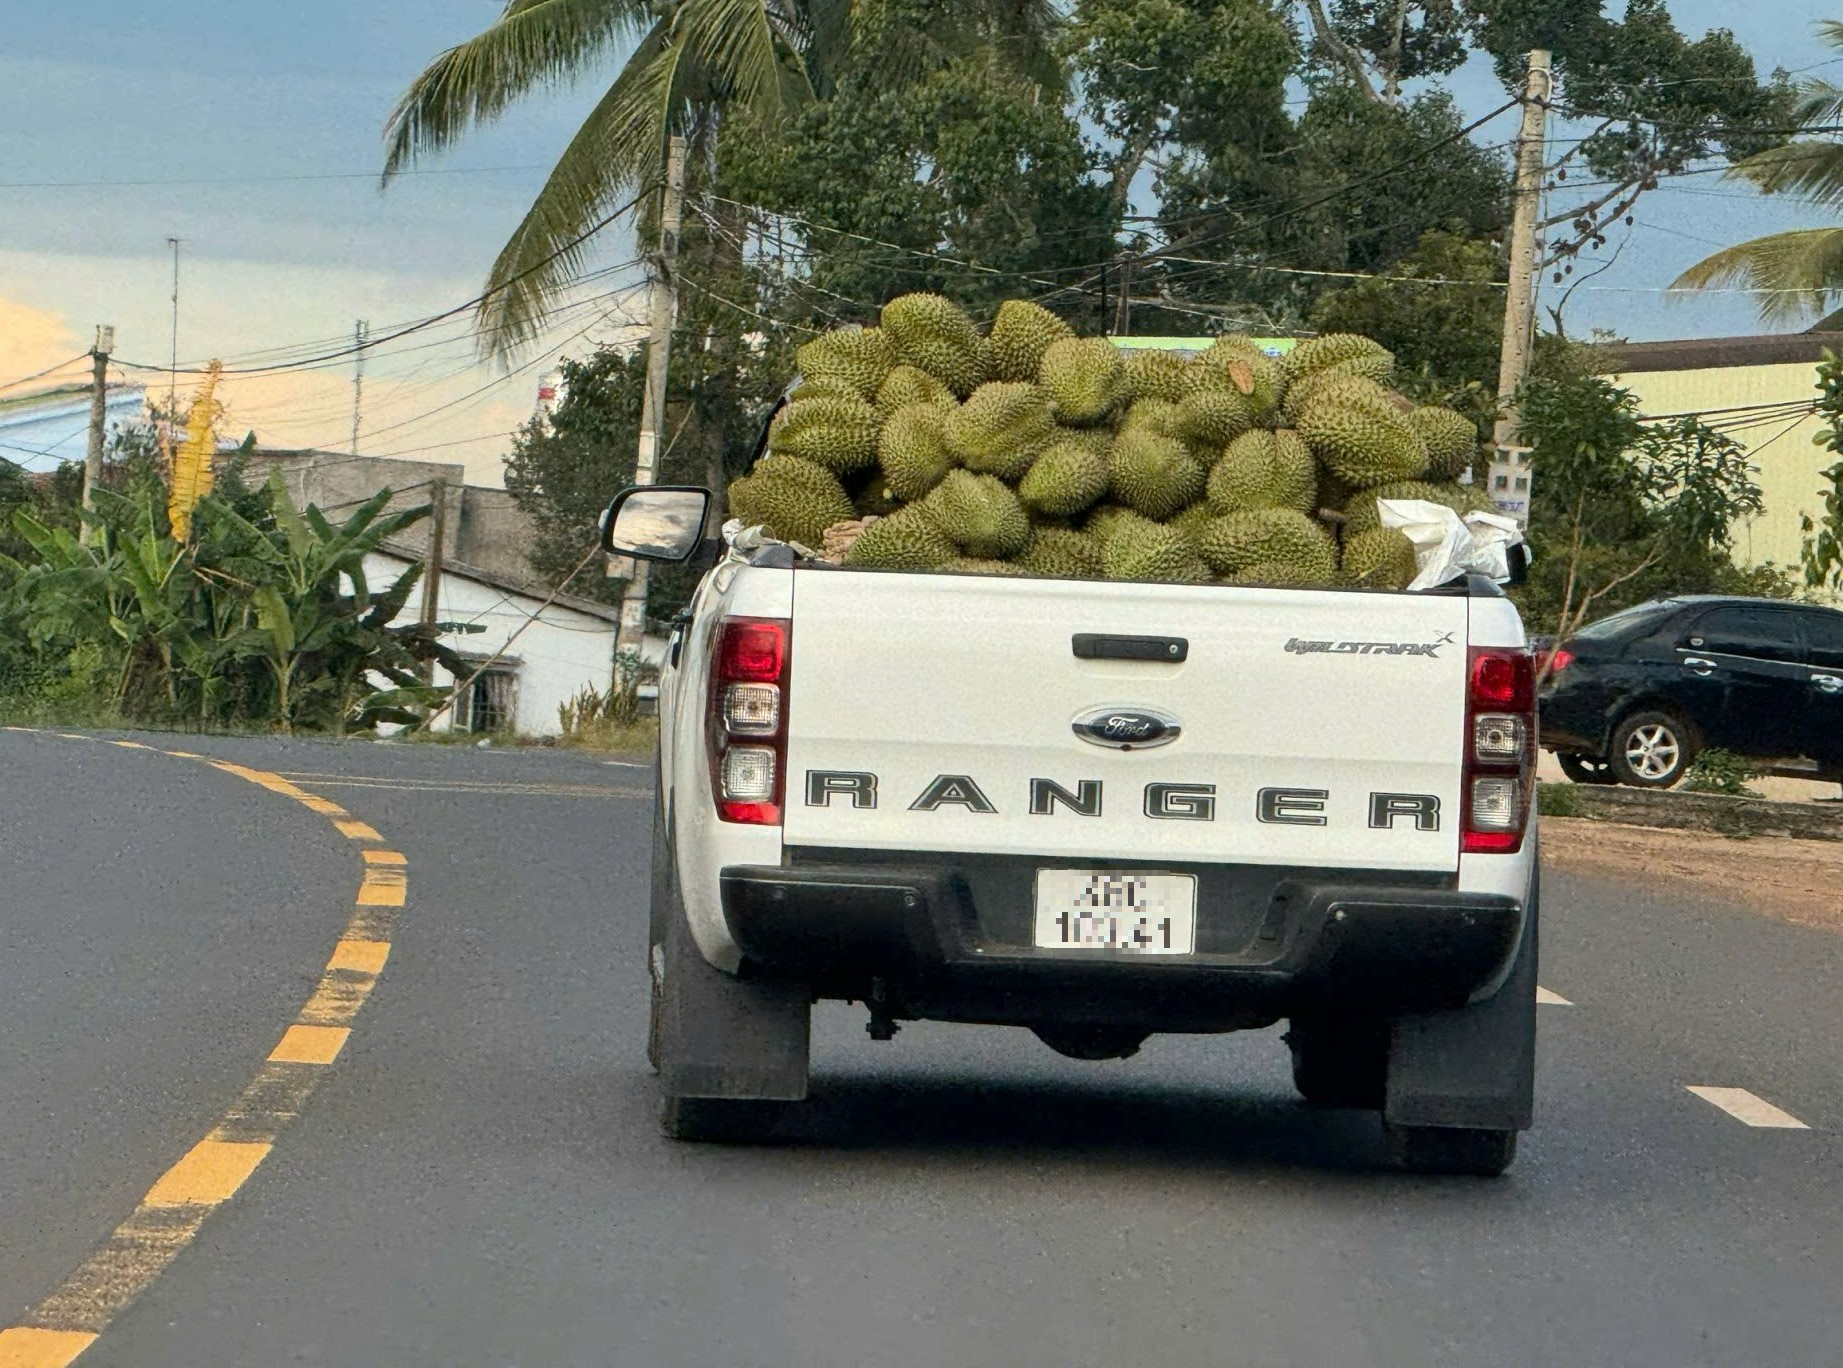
(1822, 558)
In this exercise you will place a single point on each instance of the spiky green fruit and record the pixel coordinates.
(1066, 478)
(1263, 469)
(1267, 535)
(905, 540)
(1366, 441)
(910, 385)
(1381, 558)
(817, 389)
(933, 333)
(1234, 362)
(1451, 438)
(1151, 415)
(1285, 575)
(1360, 355)
(876, 499)
(1213, 417)
(1152, 374)
(1061, 553)
(1151, 551)
(1191, 521)
(1085, 379)
(982, 565)
(1327, 384)
(980, 514)
(1154, 475)
(912, 449)
(1104, 521)
(1020, 334)
(1360, 513)
(1000, 429)
(837, 433)
(794, 499)
(858, 358)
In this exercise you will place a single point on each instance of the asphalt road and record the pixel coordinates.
(478, 1178)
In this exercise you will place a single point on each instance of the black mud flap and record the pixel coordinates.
(1474, 1067)
(716, 1035)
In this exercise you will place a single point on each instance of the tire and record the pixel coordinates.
(1583, 770)
(1340, 1062)
(719, 1120)
(1447, 1149)
(1651, 750)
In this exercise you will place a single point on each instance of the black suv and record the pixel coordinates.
(1632, 698)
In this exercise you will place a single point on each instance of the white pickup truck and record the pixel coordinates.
(1097, 810)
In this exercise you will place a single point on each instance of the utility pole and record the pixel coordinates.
(360, 335)
(1509, 479)
(432, 564)
(662, 316)
(99, 402)
(172, 379)
(1123, 315)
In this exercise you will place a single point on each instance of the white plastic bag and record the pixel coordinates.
(1447, 545)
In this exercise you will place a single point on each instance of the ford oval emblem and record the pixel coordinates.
(1127, 728)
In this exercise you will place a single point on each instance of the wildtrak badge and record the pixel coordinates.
(1430, 649)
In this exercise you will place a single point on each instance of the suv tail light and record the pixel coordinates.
(1500, 750)
(1559, 661)
(747, 719)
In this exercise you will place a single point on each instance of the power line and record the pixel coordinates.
(262, 180)
(40, 375)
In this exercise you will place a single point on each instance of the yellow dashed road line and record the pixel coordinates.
(58, 1330)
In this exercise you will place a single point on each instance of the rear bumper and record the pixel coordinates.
(943, 950)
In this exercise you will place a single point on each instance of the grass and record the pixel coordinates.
(1557, 800)
(635, 738)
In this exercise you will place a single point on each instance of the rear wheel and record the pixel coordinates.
(1584, 769)
(1651, 749)
(1450, 1149)
(1340, 1062)
(719, 1120)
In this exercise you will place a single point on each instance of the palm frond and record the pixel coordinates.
(620, 148)
(1794, 273)
(534, 43)
(743, 48)
(1811, 170)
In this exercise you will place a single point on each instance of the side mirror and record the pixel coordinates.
(656, 522)
(1517, 559)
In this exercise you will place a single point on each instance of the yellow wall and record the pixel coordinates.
(1791, 468)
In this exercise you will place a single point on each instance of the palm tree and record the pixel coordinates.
(1796, 273)
(692, 61)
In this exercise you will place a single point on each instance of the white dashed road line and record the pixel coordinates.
(1749, 1110)
(1544, 998)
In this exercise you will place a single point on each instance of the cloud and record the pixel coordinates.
(32, 339)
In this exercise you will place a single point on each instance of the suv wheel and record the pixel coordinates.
(1340, 1062)
(1584, 769)
(1449, 1149)
(1651, 750)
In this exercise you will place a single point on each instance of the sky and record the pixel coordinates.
(253, 134)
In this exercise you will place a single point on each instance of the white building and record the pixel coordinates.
(567, 646)
(47, 427)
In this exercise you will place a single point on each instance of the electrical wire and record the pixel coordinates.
(40, 375)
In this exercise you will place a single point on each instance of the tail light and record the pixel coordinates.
(747, 719)
(1500, 754)
(1559, 661)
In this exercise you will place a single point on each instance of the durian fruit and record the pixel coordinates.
(932, 332)
(1265, 536)
(1357, 355)
(1361, 514)
(1020, 334)
(980, 513)
(1109, 518)
(981, 565)
(1153, 374)
(1236, 361)
(1084, 377)
(1000, 429)
(1452, 440)
(905, 540)
(816, 389)
(1151, 551)
(1062, 553)
(1151, 415)
(837, 433)
(910, 385)
(1366, 441)
(857, 358)
(1191, 521)
(1381, 558)
(1095, 439)
(794, 499)
(1285, 575)
(1154, 475)
(1213, 417)
(876, 499)
(1066, 478)
(1329, 384)
(1263, 469)
(913, 449)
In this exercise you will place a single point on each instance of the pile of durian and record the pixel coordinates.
(925, 444)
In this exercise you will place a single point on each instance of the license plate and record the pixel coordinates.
(1111, 909)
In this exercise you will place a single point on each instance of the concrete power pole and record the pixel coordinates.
(432, 563)
(662, 317)
(1509, 479)
(360, 335)
(99, 411)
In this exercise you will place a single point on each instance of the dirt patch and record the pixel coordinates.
(1796, 881)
